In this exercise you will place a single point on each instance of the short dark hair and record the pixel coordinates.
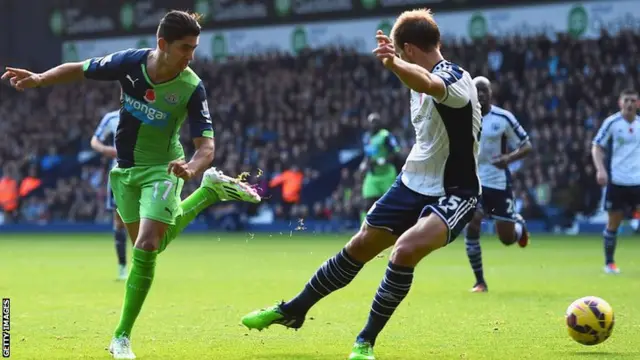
(176, 25)
(628, 92)
(416, 27)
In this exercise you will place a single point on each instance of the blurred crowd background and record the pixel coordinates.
(296, 124)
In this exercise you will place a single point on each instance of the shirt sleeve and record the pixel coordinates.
(198, 113)
(604, 134)
(113, 66)
(392, 143)
(516, 135)
(456, 90)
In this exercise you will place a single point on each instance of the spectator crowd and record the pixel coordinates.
(275, 115)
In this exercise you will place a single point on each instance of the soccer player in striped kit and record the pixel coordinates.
(500, 130)
(431, 201)
(621, 133)
(105, 130)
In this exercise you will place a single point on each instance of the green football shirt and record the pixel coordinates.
(151, 114)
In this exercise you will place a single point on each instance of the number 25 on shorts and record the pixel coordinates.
(449, 203)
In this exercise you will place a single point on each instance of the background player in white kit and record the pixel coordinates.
(105, 130)
(622, 132)
(500, 131)
(430, 202)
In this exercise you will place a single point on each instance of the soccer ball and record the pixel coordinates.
(590, 320)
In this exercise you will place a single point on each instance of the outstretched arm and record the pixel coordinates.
(109, 68)
(22, 79)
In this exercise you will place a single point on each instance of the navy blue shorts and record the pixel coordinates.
(622, 198)
(110, 201)
(400, 208)
(497, 204)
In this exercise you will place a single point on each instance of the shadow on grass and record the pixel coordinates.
(294, 356)
(594, 354)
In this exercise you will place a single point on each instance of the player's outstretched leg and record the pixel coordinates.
(474, 252)
(334, 274)
(120, 237)
(215, 187)
(428, 234)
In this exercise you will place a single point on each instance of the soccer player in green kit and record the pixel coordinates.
(159, 91)
(380, 147)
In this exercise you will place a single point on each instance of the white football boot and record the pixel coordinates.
(122, 272)
(228, 188)
(120, 348)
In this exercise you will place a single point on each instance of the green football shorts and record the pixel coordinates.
(146, 192)
(375, 186)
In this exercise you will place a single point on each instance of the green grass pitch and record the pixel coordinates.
(65, 302)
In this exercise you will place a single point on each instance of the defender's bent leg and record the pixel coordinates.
(437, 226)
(427, 235)
(338, 271)
(334, 274)
(474, 251)
(610, 240)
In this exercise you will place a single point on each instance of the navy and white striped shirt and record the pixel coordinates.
(444, 157)
(625, 148)
(108, 127)
(500, 131)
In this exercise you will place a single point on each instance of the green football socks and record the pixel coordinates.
(189, 209)
(144, 262)
(137, 287)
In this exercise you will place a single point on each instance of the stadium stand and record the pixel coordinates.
(276, 112)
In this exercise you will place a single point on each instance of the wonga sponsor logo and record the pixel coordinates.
(145, 113)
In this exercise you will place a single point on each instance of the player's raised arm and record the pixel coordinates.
(417, 61)
(202, 134)
(413, 76)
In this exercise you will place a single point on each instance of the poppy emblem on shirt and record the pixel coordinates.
(150, 96)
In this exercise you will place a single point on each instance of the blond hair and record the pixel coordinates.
(417, 27)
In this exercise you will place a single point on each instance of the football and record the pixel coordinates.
(590, 320)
